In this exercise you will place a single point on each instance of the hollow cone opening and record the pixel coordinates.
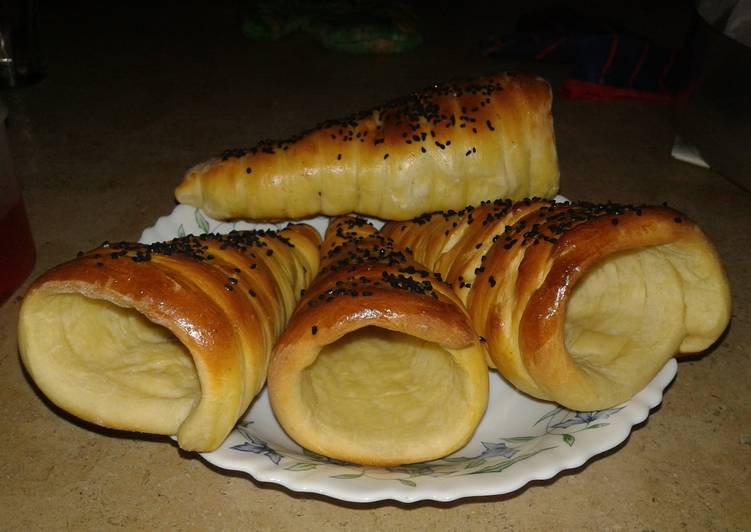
(108, 364)
(385, 386)
(629, 305)
(632, 312)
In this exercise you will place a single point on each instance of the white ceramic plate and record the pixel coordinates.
(519, 439)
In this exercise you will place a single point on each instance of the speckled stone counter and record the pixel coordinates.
(132, 98)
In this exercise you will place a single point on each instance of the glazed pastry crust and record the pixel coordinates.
(581, 304)
(379, 364)
(170, 338)
(440, 148)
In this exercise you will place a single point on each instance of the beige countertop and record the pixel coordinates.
(103, 140)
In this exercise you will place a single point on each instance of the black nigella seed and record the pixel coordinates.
(269, 252)
(252, 293)
(248, 170)
(482, 339)
(491, 281)
(339, 157)
(678, 220)
(314, 330)
(386, 156)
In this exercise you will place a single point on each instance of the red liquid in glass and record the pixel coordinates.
(17, 252)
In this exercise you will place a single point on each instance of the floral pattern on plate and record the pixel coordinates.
(494, 458)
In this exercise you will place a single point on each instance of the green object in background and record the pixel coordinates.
(356, 27)
(269, 21)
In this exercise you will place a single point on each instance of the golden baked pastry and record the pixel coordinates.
(440, 148)
(169, 338)
(379, 364)
(581, 304)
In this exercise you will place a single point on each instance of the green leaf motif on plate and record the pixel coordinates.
(202, 222)
(474, 463)
(497, 468)
(301, 466)
(520, 439)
